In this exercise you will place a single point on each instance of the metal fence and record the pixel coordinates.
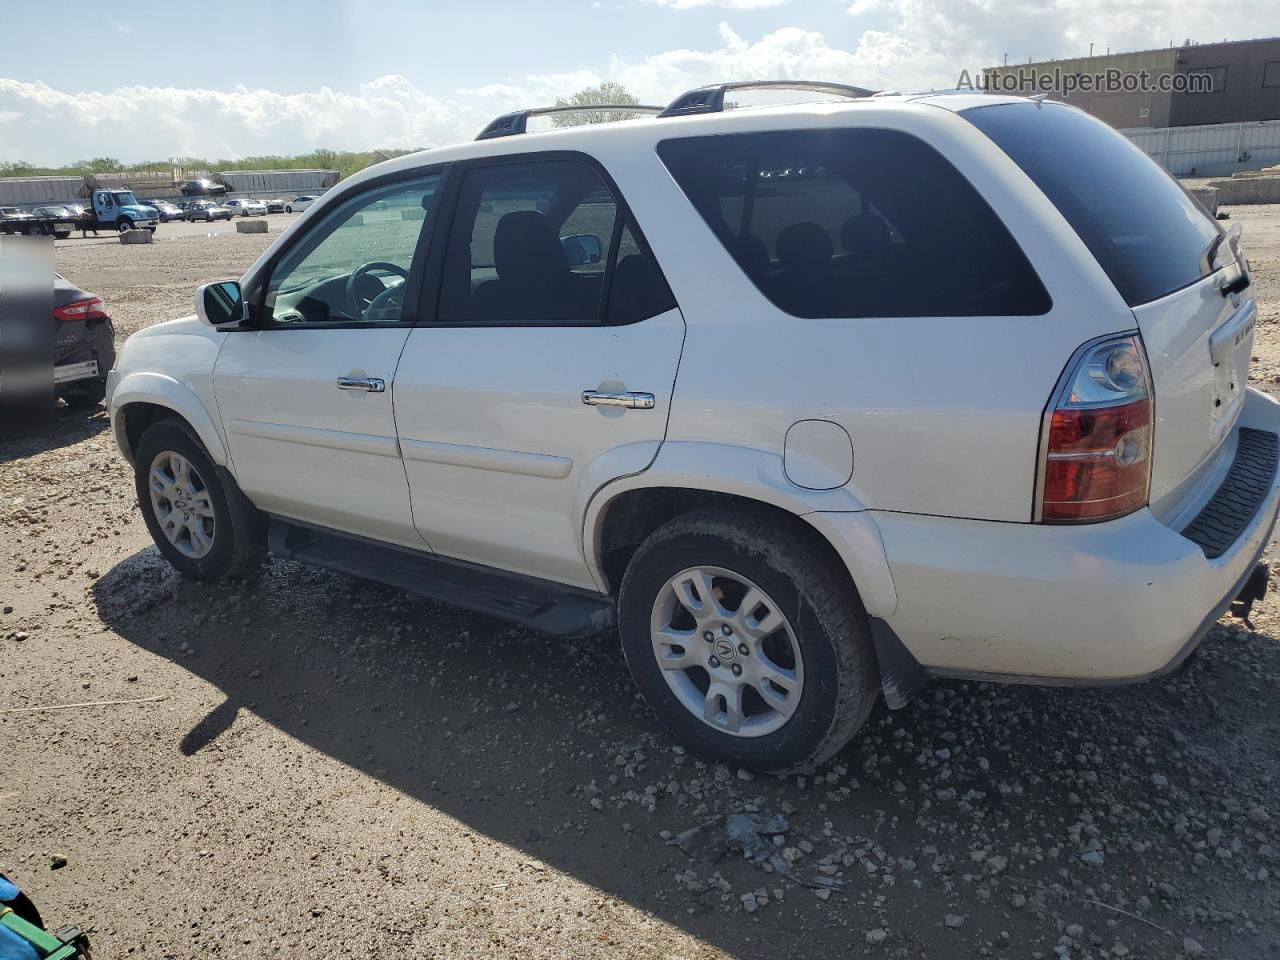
(1216, 149)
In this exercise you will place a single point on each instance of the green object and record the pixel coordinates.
(66, 945)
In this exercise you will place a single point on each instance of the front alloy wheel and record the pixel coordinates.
(727, 651)
(182, 505)
(199, 519)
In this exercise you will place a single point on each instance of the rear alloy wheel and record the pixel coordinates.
(727, 651)
(745, 642)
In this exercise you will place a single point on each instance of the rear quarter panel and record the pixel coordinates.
(944, 412)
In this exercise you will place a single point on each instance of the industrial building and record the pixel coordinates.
(1243, 78)
(31, 192)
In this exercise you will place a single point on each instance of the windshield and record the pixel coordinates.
(124, 198)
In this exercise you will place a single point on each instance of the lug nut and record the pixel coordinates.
(708, 636)
(737, 669)
(726, 629)
(713, 662)
(742, 649)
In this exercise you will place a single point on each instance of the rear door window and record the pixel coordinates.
(1144, 230)
(855, 223)
(545, 241)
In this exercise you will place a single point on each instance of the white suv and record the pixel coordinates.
(812, 401)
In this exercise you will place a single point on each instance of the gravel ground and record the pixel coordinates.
(335, 769)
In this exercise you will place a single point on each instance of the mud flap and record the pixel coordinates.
(1254, 589)
(901, 675)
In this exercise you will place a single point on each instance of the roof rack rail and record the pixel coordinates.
(516, 122)
(710, 99)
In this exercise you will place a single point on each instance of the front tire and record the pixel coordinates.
(124, 225)
(744, 642)
(197, 516)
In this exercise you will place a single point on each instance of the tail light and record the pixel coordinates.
(1096, 443)
(91, 309)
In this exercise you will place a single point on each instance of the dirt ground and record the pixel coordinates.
(323, 767)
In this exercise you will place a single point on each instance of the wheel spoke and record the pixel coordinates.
(160, 483)
(170, 525)
(203, 504)
(697, 593)
(768, 621)
(665, 644)
(778, 686)
(722, 706)
(199, 539)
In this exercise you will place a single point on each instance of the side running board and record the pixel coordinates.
(537, 604)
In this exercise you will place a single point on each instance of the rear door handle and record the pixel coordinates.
(633, 401)
(367, 384)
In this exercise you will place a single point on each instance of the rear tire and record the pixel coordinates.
(235, 530)
(821, 650)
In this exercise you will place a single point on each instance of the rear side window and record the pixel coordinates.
(855, 223)
(1144, 230)
(545, 241)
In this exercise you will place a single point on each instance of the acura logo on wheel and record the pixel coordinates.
(725, 650)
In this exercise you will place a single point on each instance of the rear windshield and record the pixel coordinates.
(855, 223)
(1144, 230)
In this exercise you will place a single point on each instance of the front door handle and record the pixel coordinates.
(633, 401)
(367, 384)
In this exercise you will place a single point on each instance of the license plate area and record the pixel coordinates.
(67, 372)
(1230, 348)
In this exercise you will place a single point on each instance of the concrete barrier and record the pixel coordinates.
(136, 236)
(416, 213)
(1247, 190)
(1207, 197)
(251, 226)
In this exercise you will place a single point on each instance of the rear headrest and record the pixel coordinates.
(526, 248)
(804, 245)
(864, 234)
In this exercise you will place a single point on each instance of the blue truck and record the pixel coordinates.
(118, 210)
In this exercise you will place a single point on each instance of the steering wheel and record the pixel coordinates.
(391, 298)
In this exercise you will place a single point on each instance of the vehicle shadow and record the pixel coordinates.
(69, 427)
(971, 797)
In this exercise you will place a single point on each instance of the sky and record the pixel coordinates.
(144, 80)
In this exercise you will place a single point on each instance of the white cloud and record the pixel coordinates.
(146, 122)
(728, 4)
(119, 27)
(977, 33)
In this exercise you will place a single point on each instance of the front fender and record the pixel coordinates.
(163, 391)
(758, 475)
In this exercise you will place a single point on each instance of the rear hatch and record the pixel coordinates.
(1167, 258)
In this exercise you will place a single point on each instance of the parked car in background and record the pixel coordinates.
(168, 211)
(276, 206)
(59, 220)
(207, 210)
(83, 345)
(298, 204)
(15, 213)
(246, 208)
(203, 188)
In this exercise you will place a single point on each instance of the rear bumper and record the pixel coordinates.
(1099, 603)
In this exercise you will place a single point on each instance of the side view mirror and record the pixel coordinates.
(221, 304)
(582, 248)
